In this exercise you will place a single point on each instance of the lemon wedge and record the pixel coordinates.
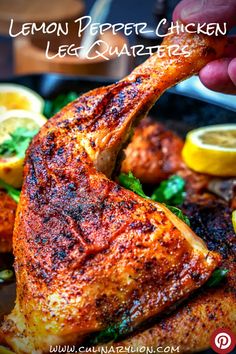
(12, 124)
(234, 220)
(212, 150)
(14, 96)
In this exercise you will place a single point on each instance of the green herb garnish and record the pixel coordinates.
(14, 193)
(179, 214)
(111, 333)
(53, 106)
(217, 276)
(105, 336)
(170, 191)
(6, 275)
(132, 183)
(18, 142)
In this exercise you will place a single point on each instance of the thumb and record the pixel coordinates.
(206, 11)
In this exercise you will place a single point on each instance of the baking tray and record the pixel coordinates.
(179, 113)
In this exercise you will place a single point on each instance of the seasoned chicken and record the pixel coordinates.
(90, 254)
(191, 326)
(154, 152)
(7, 218)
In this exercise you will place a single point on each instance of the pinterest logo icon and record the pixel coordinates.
(223, 341)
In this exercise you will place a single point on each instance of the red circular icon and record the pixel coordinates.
(223, 341)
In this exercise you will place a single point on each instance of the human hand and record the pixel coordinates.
(219, 75)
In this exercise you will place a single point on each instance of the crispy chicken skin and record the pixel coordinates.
(191, 326)
(7, 218)
(88, 252)
(154, 152)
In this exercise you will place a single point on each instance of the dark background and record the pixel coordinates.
(134, 10)
(121, 11)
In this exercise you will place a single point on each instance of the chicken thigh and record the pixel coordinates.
(88, 253)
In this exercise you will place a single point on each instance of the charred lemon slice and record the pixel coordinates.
(212, 150)
(17, 128)
(14, 96)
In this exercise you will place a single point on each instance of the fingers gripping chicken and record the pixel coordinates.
(88, 252)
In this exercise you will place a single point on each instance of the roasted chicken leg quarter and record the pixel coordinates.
(88, 253)
(153, 155)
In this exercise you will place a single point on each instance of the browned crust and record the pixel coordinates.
(7, 218)
(89, 252)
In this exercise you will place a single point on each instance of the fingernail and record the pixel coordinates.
(192, 8)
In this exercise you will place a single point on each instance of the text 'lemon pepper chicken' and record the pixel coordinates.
(88, 252)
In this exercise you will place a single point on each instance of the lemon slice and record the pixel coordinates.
(234, 220)
(14, 96)
(212, 150)
(11, 167)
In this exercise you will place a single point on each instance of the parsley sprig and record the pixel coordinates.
(17, 143)
(129, 181)
(13, 192)
(55, 105)
(170, 191)
(216, 278)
